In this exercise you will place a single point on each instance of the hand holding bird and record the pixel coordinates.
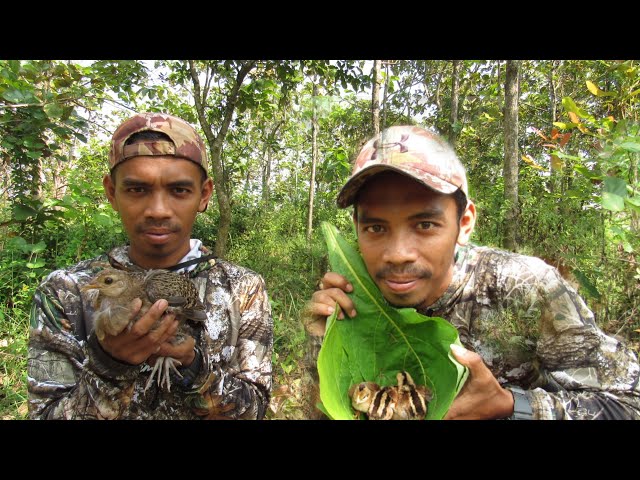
(132, 331)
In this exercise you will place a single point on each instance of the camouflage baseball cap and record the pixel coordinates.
(412, 151)
(186, 142)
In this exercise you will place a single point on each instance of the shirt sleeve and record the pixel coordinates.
(70, 378)
(583, 373)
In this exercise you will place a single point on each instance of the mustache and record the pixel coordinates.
(403, 271)
(149, 224)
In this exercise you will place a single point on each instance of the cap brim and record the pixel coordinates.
(350, 189)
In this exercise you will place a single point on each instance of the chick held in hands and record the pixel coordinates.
(112, 293)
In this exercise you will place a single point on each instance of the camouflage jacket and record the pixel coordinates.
(71, 377)
(534, 331)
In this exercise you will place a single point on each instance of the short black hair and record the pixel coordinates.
(151, 136)
(461, 202)
(145, 135)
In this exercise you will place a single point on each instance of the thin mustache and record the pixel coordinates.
(172, 227)
(408, 271)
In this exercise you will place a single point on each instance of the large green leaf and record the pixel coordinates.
(381, 341)
(21, 212)
(615, 190)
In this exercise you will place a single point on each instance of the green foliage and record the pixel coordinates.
(14, 332)
(382, 341)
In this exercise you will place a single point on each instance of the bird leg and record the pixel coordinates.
(163, 367)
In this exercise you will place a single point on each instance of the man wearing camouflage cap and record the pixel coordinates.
(157, 183)
(532, 346)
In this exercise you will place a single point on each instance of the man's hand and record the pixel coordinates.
(184, 352)
(323, 302)
(137, 344)
(482, 397)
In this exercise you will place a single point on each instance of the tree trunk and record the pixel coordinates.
(215, 146)
(266, 175)
(385, 95)
(552, 104)
(510, 171)
(552, 90)
(437, 93)
(314, 159)
(375, 97)
(267, 154)
(455, 95)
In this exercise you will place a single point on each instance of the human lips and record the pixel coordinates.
(400, 285)
(156, 235)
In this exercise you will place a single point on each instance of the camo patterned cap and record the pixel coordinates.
(186, 142)
(412, 151)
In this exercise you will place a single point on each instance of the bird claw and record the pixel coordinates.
(163, 368)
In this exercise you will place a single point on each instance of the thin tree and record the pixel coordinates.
(216, 141)
(314, 160)
(375, 97)
(552, 107)
(510, 170)
(385, 96)
(455, 95)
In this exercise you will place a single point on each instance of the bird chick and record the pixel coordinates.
(412, 399)
(377, 402)
(112, 291)
(404, 401)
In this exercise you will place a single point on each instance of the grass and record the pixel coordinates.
(14, 335)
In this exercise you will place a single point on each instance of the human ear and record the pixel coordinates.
(467, 223)
(207, 191)
(110, 190)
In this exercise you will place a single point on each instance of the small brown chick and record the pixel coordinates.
(404, 401)
(112, 291)
(377, 402)
(412, 399)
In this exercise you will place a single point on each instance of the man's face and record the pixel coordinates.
(158, 198)
(407, 235)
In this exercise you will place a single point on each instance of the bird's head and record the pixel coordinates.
(362, 395)
(109, 282)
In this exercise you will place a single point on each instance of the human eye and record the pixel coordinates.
(425, 225)
(136, 189)
(374, 229)
(181, 191)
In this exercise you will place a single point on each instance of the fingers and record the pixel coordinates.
(179, 351)
(323, 302)
(335, 280)
(145, 337)
(332, 290)
(136, 305)
(459, 352)
(146, 321)
(471, 360)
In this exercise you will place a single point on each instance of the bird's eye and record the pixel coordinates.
(108, 280)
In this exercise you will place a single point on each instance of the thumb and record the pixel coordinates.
(135, 306)
(461, 354)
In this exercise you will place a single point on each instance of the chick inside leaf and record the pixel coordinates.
(381, 341)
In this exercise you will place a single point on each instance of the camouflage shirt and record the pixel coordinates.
(71, 377)
(534, 331)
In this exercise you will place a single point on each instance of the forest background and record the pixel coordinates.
(551, 148)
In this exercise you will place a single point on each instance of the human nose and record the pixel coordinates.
(158, 206)
(400, 249)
